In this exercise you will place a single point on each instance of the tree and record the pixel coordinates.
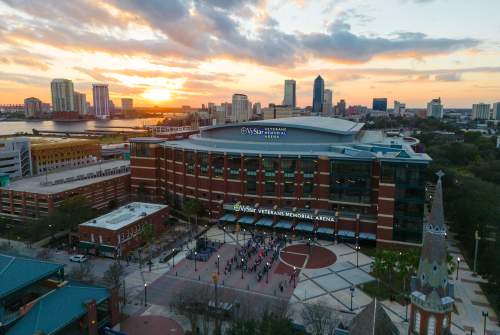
(148, 235)
(83, 273)
(192, 207)
(318, 318)
(113, 275)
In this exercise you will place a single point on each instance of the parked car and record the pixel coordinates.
(78, 258)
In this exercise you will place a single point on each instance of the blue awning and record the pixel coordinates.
(283, 224)
(228, 218)
(265, 222)
(246, 219)
(368, 236)
(325, 230)
(346, 233)
(304, 226)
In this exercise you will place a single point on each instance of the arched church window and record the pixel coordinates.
(431, 326)
(416, 327)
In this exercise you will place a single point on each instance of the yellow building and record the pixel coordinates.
(51, 153)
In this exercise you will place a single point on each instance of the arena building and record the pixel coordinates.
(317, 176)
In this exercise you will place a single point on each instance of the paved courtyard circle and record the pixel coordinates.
(302, 256)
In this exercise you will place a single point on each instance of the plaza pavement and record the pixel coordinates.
(328, 286)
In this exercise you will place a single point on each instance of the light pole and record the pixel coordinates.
(8, 226)
(485, 315)
(407, 300)
(224, 228)
(218, 262)
(476, 235)
(357, 255)
(195, 256)
(458, 266)
(244, 235)
(294, 270)
(309, 244)
(352, 294)
(267, 273)
(145, 294)
(242, 261)
(173, 258)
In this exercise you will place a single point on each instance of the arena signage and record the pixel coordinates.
(282, 212)
(264, 132)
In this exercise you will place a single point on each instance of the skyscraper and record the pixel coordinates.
(62, 95)
(81, 104)
(257, 109)
(435, 108)
(239, 110)
(127, 104)
(100, 94)
(318, 95)
(379, 104)
(290, 93)
(496, 111)
(399, 108)
(32, 107)
(327, 102)
(480, 111)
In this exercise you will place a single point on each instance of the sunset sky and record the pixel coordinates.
(176, 52)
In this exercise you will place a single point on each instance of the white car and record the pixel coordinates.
(78, 258)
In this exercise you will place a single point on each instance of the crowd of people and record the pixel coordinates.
(256, 255)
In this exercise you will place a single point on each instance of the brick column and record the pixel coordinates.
(114, 309)
(91, 317)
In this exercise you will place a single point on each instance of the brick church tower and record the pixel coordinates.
(432, 293)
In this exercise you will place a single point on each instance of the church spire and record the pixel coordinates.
(432, 294)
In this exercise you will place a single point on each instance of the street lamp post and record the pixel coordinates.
(407, 300)
(244, 235)
(8, 226)
(145, 294)
(195, 256)
(485, 315)
(173, 258)
(267, 273)
(242, 262)
(224, 228)
(476, 235)
(458, 266)
(218, 262)
(352, 294)
(294, 271)
(309, 244)
(357, 255)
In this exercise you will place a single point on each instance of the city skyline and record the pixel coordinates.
(226, 46)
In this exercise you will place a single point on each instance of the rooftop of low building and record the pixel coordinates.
(68, 179)
(124, 216)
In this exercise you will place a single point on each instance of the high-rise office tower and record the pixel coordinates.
(81, 104)
(496, 111)
(327, 102)
(100, 94)
(127, 104)
(32, 107)
(480, 111)
(257, 109)
(290, 98)
(62, 95)
(435, 108)
(379, 104)
(239, 110)
(318, 95)
(399, 108)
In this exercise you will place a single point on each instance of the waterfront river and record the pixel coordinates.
(12, 127)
